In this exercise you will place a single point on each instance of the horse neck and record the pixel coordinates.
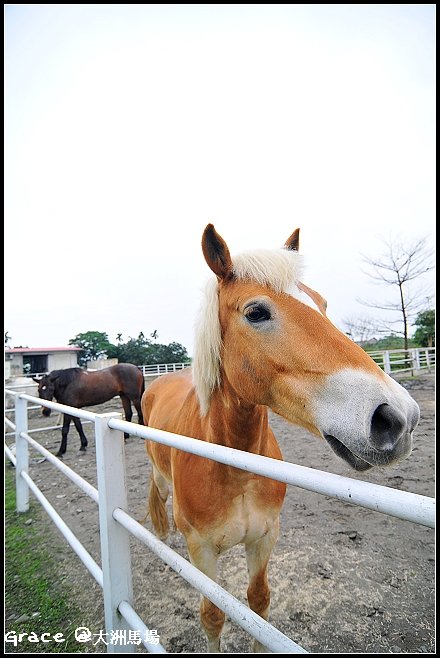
(236, 423)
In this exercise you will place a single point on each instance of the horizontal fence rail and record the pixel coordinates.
(401, 504)
(412, 507)
(260, 629)
(116, 523)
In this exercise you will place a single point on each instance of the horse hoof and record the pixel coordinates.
(126, 435)
(83, 449)
(60, 455)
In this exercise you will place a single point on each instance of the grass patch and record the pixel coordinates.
(32, 587)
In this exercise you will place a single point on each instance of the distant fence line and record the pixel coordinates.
(156, 369)
(413, 359)
(391, 361)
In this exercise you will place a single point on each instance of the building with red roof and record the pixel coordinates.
(34, 360)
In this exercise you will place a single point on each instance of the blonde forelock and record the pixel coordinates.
(279, 269)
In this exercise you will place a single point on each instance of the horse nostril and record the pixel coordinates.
(387, 426)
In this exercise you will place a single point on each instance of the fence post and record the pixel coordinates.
(21, 454)
(416, 359)
(428, 360)
(115, 540)
(386, 362)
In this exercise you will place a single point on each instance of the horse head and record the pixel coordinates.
(46, 389)
(264, 345)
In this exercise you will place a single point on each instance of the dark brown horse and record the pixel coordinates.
(80, 388)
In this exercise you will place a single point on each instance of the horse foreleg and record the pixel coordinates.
(64, 433)
(80, 431)
(137, 406)
(204, 557)
(258, 593)
(127, 411)
(159, 491)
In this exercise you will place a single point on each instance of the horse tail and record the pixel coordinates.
(158, 512)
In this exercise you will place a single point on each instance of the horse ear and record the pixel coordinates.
(37, 379)
(319, 300)
(216, 252)
(292, 243)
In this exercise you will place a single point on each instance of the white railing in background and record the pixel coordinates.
(391, 361)
(148, 370)
(116, 524)
(414, 359)
(156, 369)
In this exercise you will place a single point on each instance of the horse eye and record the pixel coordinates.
(257, 313)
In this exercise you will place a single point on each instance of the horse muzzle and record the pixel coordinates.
(367, 421)
(346, 454)
(390, 440)
(367, 457)
(45, 411)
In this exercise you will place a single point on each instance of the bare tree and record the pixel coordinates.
(397, 266)
(361, 328)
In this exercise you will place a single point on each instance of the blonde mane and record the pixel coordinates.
(280, 269)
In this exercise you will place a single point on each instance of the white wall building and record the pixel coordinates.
(33, 360)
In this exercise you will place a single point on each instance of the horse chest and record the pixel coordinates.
(245, 521)
(229, 519)
(225, 506)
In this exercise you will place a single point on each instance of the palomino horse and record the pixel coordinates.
(258, 346)
(79, 388)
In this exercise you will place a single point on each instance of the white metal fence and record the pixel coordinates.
(156, 369)
(412, 360)
(149, 370)
(392, 361)
(115, 523)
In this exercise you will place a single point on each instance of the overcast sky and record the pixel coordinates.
(129, 128)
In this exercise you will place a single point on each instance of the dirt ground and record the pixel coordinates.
(344, 579)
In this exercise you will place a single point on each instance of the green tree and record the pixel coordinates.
(172, 353)
(139, 351)
(424, 336)
(390, 342)
(142, 351)
(94, 345)
(135, 350)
